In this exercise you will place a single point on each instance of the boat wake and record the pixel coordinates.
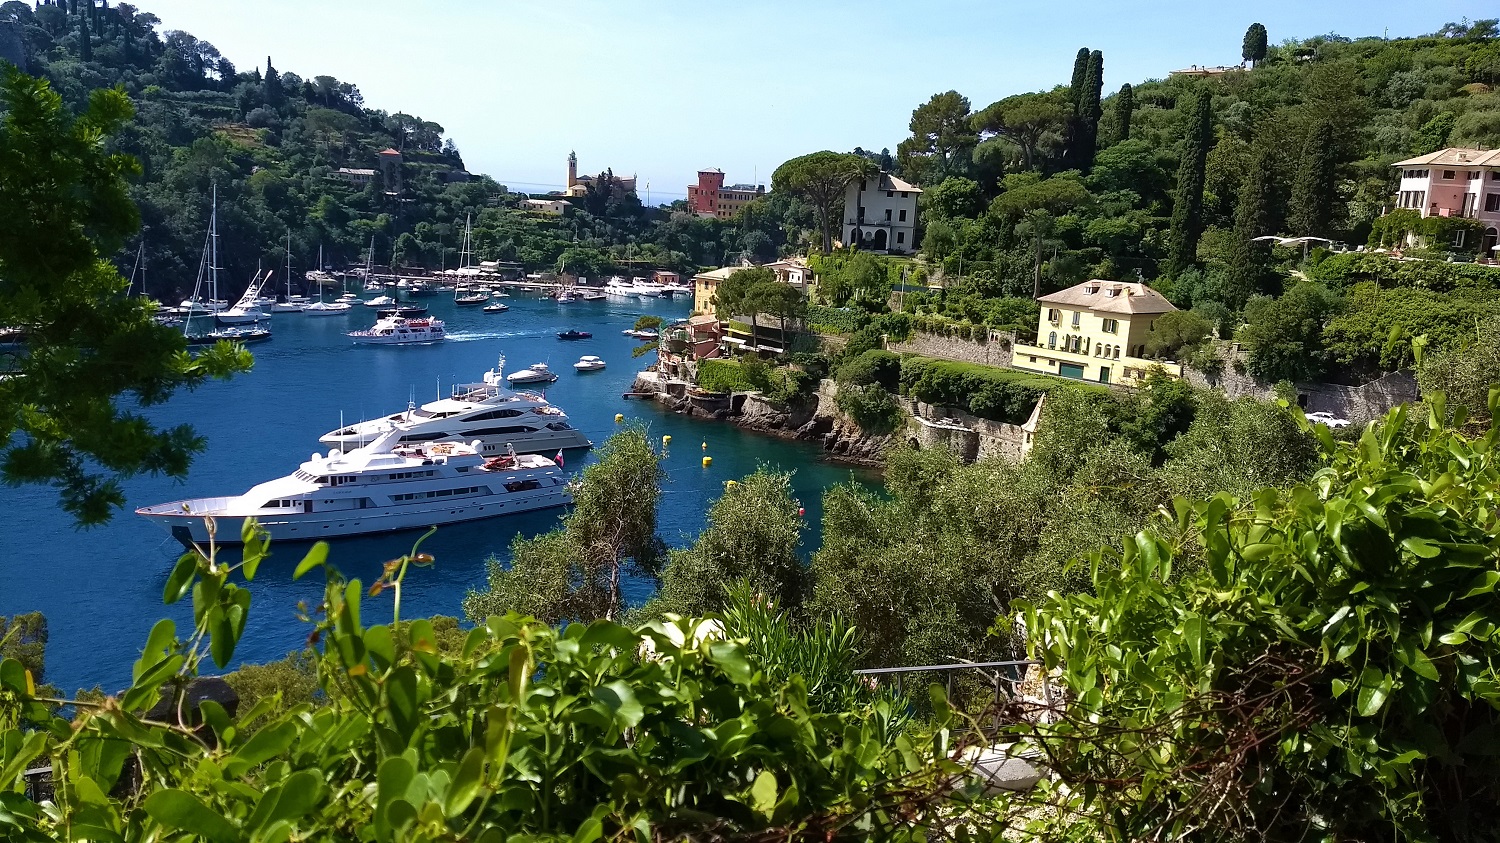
(474, 336)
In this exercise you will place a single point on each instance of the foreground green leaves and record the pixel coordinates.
(587, 732)
(1326, 668)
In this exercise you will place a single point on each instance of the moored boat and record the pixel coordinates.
(384, 486)
(535, 373)
(589, 363)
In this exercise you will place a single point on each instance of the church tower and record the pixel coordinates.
(572, 169)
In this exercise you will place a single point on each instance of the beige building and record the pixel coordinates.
(1096, 331)
(705, 284)
(554, 207)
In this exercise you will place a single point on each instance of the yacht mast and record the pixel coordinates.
(213, 245)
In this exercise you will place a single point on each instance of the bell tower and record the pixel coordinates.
(572, 169)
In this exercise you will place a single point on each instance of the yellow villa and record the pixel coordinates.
(1097, 331)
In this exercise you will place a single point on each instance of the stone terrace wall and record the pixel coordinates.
(996, 352)
(970, 437)
(1358, 404)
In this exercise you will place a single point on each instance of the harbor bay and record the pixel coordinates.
(101, 588)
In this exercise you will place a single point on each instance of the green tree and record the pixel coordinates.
(1028, 120)
(1089, 112)
(1076, 81)
(1433, 135)
(1187, 203)
(1248, 259)
(24, 638)
(1253, 49)
(85, 40)
(575, 573)
(821, 179)
(1465, 373)
(1124, 110)
(91, 350)
(941, 139)
(1313, 189)
(274, 93)
(1284, 336)
(1177, 333)
(752, 536)
(955, 197)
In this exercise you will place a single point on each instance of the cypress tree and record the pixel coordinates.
(1187, 203)
(275, 96)
(1312, 192)
(1253, 217)
(85, 41)
(1089, 111)
(1080, 69)
(1255, 46)
(1124, 108)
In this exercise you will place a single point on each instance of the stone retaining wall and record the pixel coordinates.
(996, 352)
(1358, 404)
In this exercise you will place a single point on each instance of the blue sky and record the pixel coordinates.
(661, 89)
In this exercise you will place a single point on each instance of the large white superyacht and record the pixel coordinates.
(381, 487)
(487, 412)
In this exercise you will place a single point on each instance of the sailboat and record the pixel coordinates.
(320, 307)
(288, 304)
(209, 270)
(466, 253)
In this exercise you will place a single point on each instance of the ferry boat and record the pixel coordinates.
(398, 330)
(486, 412)
(384, 486)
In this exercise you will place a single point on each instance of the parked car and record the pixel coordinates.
(1329, 419)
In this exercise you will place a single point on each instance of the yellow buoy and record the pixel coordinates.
(705, 446)
(708, 461)
(667, 440)
(619, 417)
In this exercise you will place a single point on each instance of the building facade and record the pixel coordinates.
(705, 284)
(553, 207)
(1097, 331)
(710, 198)
(1455, 182)
(880, 214)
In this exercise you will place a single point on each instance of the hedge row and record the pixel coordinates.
(1439, 276)
(1002, 395)
(723, 376)
(832, 320)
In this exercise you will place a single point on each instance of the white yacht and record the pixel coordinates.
(384, 486)
(589, 363)
(618, 286)
(248, 308)
(646, 289)
(486, 412)
(380, 301)
(327, 308)
(535, 373)
(398, 330)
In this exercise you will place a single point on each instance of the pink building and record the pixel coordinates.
(1455, 183)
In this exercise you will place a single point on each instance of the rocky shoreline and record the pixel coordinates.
(815, 419)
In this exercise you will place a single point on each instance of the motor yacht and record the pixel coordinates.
(387, 485)
(398, 330)
(332, 308)
(487, 412)
(574, 334)
(497, 307)
(589, 363)
(380, 301)
(535, 373)
(619, 288)
(249, 308)
(646, 289)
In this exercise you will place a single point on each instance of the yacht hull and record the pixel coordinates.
(190, 525)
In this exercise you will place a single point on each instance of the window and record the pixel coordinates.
(890, 194)
(1458, 238)
(903, 194)
(862, 184)
(903, 215)
(1031, 359)
(1077, 316)
(1448, 175)
(887, 214)
(861, 213)
(1474, 175)
(901, 235)
(1492, 202)
(1052, 339)
(1111, 326)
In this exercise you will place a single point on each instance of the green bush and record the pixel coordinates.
(1351, 268)
(832, 320)
(871, 407)
(1003, 395)
(723, 376)
(875, 366)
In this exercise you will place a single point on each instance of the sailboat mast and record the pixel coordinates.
(213, 245)
(288, 264)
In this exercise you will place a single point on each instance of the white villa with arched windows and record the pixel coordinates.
(880, 214)
(1097, 331)
(1455, 182)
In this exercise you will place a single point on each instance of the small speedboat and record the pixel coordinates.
(406, 311)
(642, 334)
(573, 334)
(589, 363)
(535, 373)
(495, 308)
(236, 334)
(380, 301)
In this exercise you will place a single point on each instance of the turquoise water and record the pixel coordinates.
(101, 588)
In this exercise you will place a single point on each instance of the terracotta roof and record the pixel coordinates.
(389, 151)
(1455, 156)
(718, 274)
(703, 320)
(890, 182)
(1111, 297)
